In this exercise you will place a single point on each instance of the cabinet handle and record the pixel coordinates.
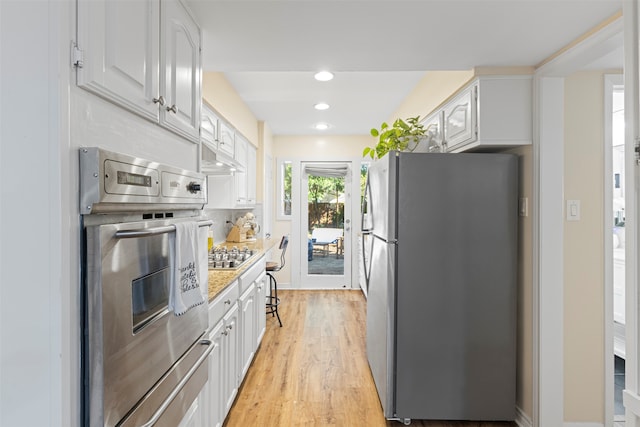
(173, 109)
(229, 327)
(228, 302)
(159, 100)
(225, 333)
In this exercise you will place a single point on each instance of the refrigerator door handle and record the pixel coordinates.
(367, 269)
(366, 202)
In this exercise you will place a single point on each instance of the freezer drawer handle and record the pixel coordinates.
(154, 231)
(181, 384)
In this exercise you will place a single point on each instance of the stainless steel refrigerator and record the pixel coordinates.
(441, 305)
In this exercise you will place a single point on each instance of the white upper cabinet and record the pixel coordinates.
(251, 168)
(209, 126)
(491, 112)
(180, 70)
(460, 119)
(435, 136)
(227, 139)
(144, 56)
(241, 176)
(122, 66)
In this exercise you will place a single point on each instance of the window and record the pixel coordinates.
(284, 189)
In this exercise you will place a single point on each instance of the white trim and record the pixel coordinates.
(631, 110)
(548, 282)
(522, 420)
(587, 51)
(611, 81)
(548, 258)
(280, 215)
(579, 424)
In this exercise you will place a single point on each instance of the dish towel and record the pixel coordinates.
(185, 292)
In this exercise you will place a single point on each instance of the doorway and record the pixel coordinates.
(615, 218)
(325, 225)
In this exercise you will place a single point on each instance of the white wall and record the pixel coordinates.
(38, 334)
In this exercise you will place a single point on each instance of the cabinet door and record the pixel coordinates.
(247, 329)
(252, 160)
(212, 413)
(121, 66)
(460, 120)
(230, 355)
(435, 137)
(240, 155)
(261, 301)
(180, 71)
(241, 177)
(209, 127)
(241, 188)
(226, 143)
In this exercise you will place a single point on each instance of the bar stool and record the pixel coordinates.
(272, 300)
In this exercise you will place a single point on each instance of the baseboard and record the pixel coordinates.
(522, 419)
(585, 424)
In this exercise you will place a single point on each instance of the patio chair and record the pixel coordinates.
(272, 300)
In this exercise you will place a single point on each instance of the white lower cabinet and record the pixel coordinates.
(238, 314)
(248, 328)
(211, 396)
(230, 359)
(261, 307)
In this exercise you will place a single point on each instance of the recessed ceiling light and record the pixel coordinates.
(322, 126)
(323, 76)
(218, 163)
(321, 106)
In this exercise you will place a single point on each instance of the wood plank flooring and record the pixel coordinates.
(314, 371)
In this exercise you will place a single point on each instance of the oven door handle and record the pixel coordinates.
(154, 231)
(156, 415)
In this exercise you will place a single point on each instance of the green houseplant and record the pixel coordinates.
(403, 135)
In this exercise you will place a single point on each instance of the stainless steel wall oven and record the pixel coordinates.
(143, 365)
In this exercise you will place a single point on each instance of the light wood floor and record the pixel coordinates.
(314, 370)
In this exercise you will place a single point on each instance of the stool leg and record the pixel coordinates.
(274, 301)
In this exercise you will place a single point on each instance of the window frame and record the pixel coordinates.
(281, 214)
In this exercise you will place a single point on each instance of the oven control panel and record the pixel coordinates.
(183, 185)
(115, 182)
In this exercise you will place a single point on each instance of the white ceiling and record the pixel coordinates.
(379, 50)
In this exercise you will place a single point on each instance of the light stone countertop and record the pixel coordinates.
(220, 279)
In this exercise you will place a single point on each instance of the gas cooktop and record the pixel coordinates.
(229, 259)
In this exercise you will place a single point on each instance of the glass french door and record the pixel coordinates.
(326, 225)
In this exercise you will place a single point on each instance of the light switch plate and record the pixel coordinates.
(573, 210)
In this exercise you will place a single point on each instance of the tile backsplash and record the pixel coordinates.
(220, 226)
(223, 220)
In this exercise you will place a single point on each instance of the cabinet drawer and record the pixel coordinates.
(252, 273)
(223, 302)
